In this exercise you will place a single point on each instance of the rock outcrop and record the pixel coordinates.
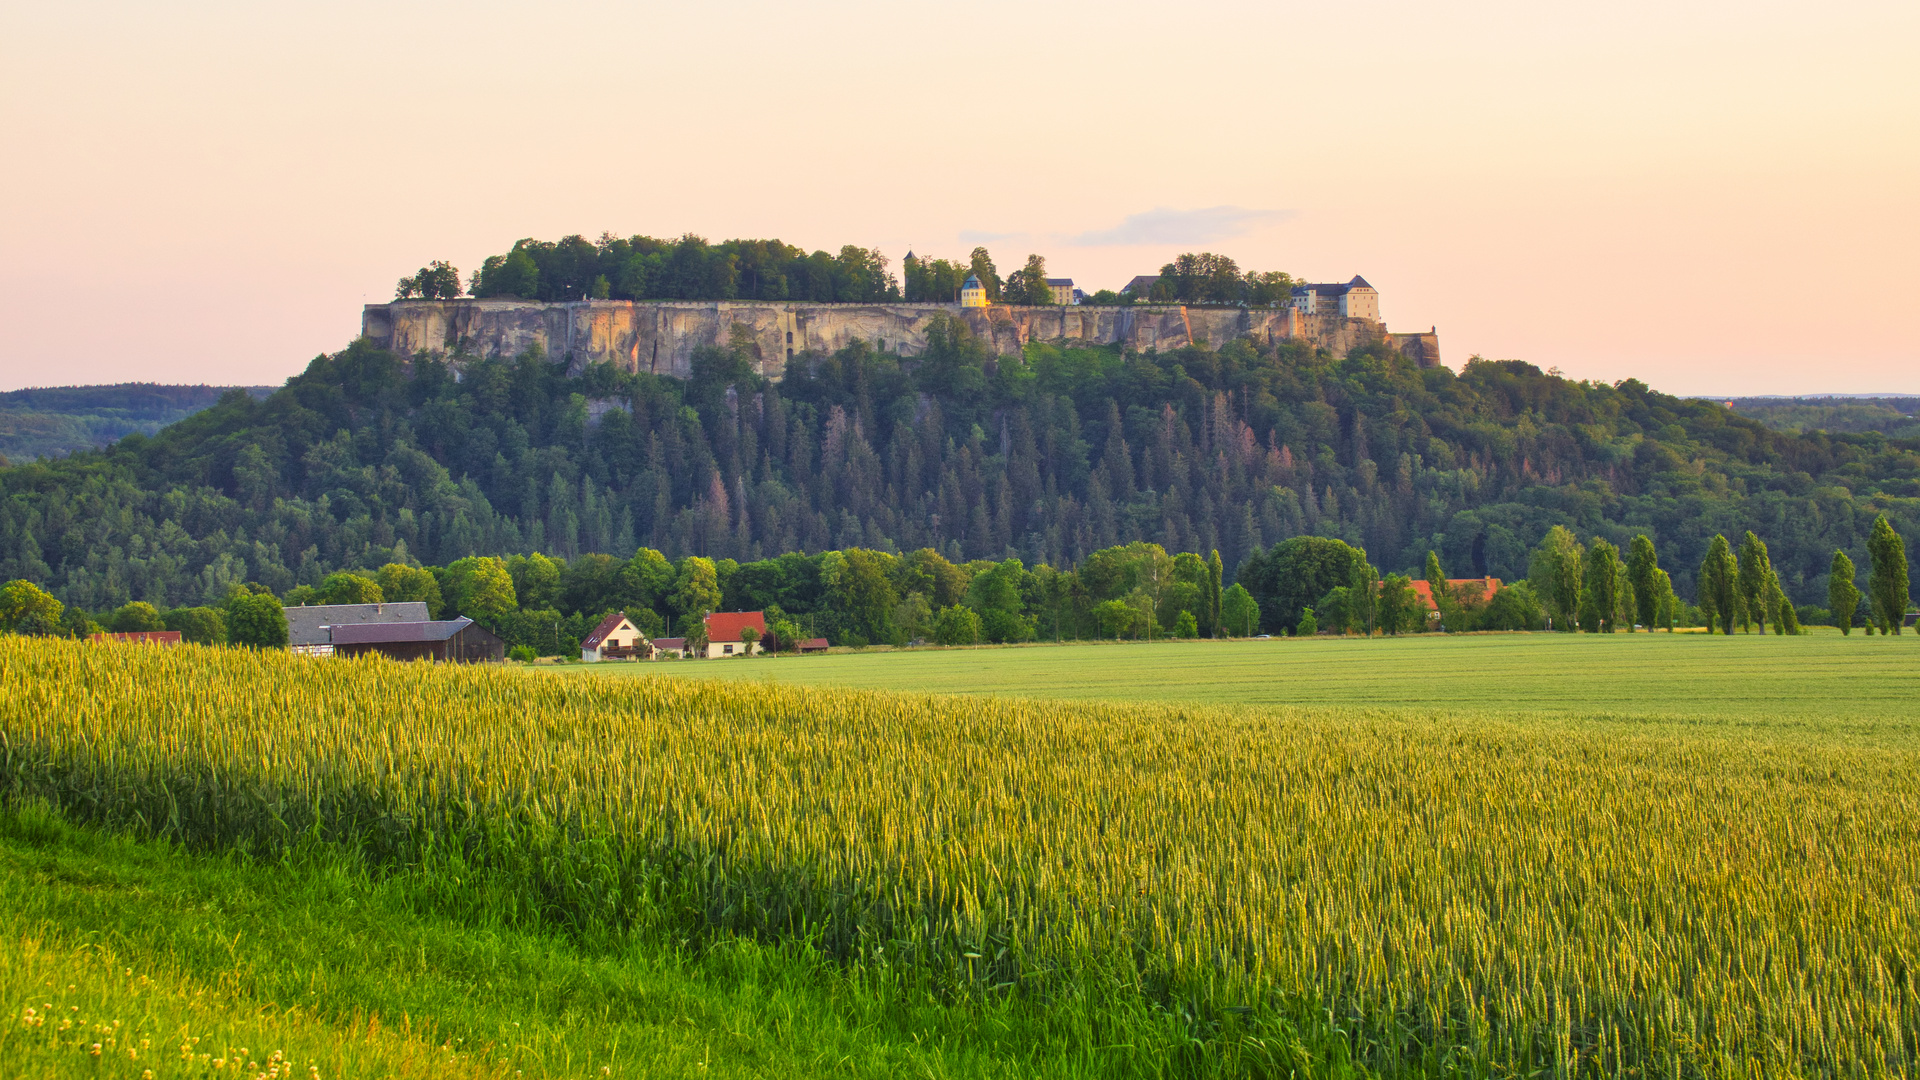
(660, 336)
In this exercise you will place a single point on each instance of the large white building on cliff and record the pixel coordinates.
(1355, 299)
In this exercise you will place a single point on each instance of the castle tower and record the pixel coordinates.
(972, 293)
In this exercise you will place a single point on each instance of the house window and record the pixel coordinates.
(726, 650)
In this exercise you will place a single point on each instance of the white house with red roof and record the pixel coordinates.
(723, 633)
(616, 638)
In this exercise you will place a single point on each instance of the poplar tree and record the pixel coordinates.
(1554, 571)
(1437, 585)
(1778, 607)
(1600, 591)
(1664, 600)
(1642, 566)
(1843, 596)
(1364, 595)
(1215, 572)
(1756, 569)
(1887, 591)
(1718, 587)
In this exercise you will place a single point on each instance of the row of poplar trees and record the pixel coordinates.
(1745, 589)
(1596, 590)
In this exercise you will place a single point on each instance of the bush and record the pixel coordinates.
(522, 653)
(200, 625)
(1308, 626)
(955, 625)
(256, 621)
(138, 617)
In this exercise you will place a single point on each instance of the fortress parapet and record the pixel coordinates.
(660, 336)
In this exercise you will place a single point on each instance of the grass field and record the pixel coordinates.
(196, 965)
(1120, 889)
(1758, 678)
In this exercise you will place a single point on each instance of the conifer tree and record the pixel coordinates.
(1642, 564)
(1843, 596)
(1887, 592)
(1718, 585)
(1756, 569)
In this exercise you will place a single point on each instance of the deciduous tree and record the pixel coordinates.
(1556, 570)
(1887, 584)
(1719, 585)
(1843, 596)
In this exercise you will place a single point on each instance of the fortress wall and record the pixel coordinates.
(660, 337)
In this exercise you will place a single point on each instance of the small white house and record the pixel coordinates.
(616, 638)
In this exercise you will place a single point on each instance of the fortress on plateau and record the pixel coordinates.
(660, 337)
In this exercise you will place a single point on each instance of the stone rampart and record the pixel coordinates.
(660, 336)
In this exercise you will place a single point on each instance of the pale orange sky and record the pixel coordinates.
(1715, 198)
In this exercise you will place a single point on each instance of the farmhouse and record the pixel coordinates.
(139, 637)
(616, 638)
(723, 633)
(461, 641)
(1471, 590)
(310, 626)
(675, 647)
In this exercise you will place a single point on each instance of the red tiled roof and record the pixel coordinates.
(1486, 587)
(607, 626)
(143, 637)
(671, 644)
(726, 625)
(813, 644)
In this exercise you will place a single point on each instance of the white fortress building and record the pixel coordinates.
(1354, 300)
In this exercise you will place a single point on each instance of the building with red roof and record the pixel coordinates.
(723, 633)
(140, 637)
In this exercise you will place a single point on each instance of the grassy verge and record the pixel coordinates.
(129, 958)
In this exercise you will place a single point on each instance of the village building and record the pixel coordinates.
(616, 638)
(1471, 590)
(310, 626)
(723, 633)
(138, 637)
(669, 648)
(1141, 287)
(1063, 291)
(1354, 299)
(455, 641)
(812, 645)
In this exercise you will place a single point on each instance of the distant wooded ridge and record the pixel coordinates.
(51, 421)
(1840, 413)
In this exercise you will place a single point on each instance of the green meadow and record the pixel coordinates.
(1759, 679)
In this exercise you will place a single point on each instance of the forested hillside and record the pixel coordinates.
(55, 420)
(363, 460)
(1888, 415)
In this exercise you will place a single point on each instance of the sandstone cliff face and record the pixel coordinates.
(660, 337)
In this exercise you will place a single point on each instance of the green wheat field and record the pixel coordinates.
(1519, 856)
(1823, 675)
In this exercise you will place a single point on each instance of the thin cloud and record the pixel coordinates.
(1164, 225)
(976, 236)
